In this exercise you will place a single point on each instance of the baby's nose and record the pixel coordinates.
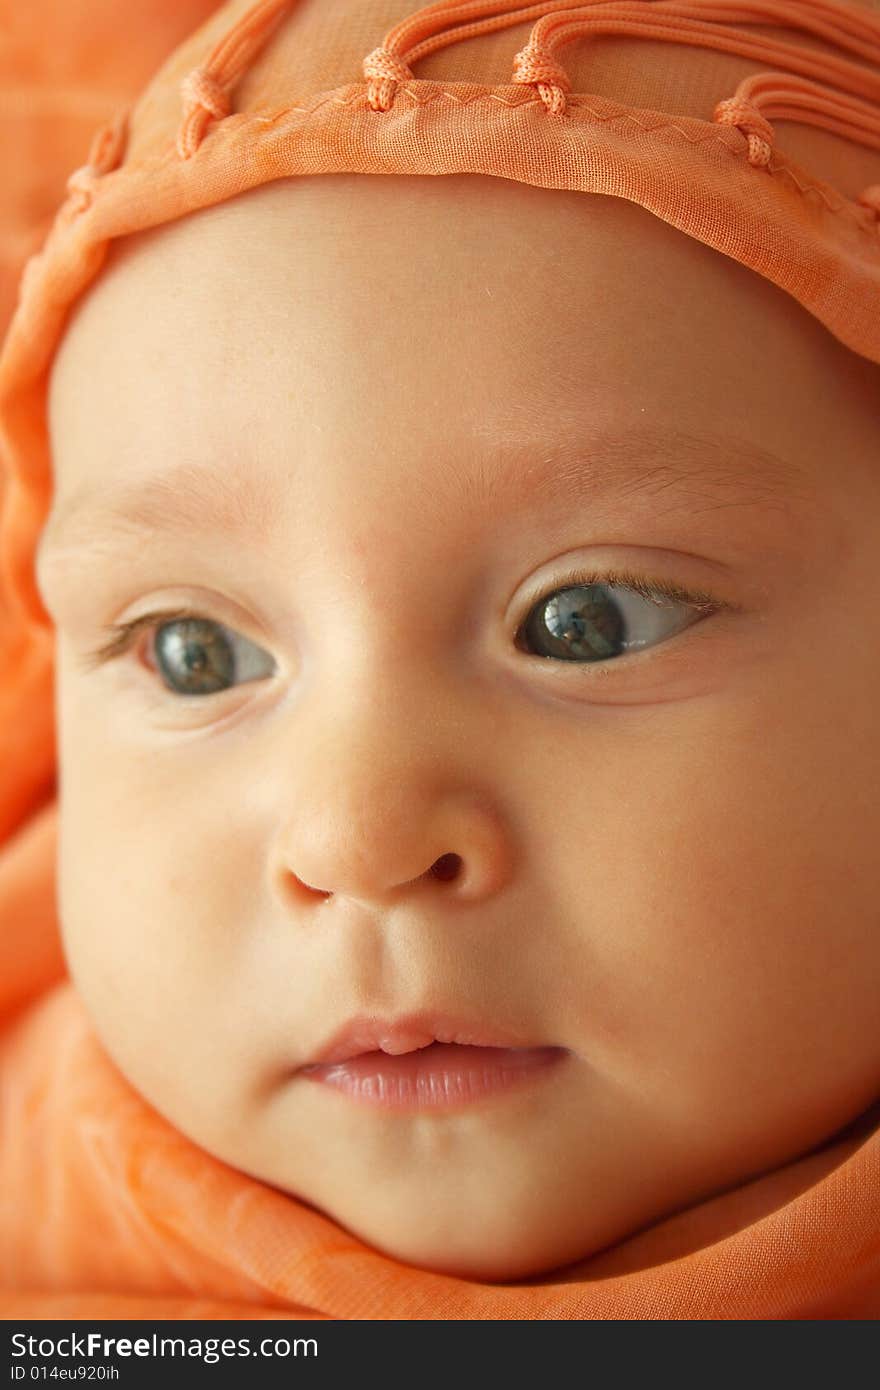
(407, 844)
(374, 823)
(447, 867)
(383, 789)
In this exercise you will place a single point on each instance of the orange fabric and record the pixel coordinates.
(64, 70)
(752, 127)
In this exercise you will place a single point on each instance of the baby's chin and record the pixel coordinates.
(497, 1240)
(471, 1196)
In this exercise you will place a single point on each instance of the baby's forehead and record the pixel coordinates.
(549, 287)
(402, 308)
(422, 243)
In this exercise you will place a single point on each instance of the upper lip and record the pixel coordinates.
(369, 1033)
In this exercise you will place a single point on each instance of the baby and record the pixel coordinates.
(466, 681)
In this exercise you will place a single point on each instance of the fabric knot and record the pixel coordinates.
(383, 63)
(536, 66)
(108, 145)
(756, 128)
(81, 186)
(201, 88)
(870, 198)
(105, 154)
(383, 70)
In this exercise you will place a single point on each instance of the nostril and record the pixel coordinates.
(446, 867)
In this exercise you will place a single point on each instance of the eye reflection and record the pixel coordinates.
(583, 623)
(197, 656)
(576, 622)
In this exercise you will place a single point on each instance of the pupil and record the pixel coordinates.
(194, 651)
(578, 624)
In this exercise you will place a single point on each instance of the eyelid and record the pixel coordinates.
(655, 589)
(123, 634)
(647, 586)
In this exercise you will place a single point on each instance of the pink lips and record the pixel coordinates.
(422, 1062)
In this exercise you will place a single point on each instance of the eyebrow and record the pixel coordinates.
(679, 470)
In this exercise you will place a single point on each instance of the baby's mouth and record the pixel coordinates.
(437, 1075)
(423, 1061)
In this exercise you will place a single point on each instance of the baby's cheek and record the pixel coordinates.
(728, 886)
(153, 901)
(127, 953)
(781, 939)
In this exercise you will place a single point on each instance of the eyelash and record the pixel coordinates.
(122, 635)
(659, 591)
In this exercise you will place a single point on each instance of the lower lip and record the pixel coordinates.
(440, 1076)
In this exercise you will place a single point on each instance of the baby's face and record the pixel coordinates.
(396, 417)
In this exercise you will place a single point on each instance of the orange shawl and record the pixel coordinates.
(106, 1210)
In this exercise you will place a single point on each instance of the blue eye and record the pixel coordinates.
(194, 655)
(584, 622)
(579, 621)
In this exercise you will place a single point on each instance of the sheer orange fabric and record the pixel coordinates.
(766, 115)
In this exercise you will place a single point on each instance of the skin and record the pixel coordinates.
(668, 869)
